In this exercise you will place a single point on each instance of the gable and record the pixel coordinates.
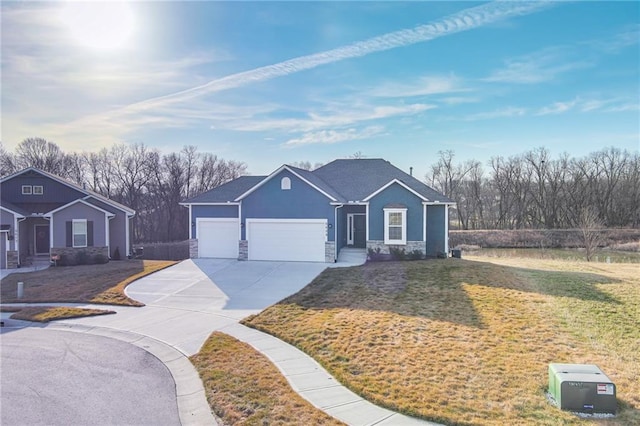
(302, 175)
(53, 193)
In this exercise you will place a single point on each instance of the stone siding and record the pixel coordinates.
(193, 248)
(12, 259)
(408, 248)
(329, 251)
(243, 250)
(68, 254)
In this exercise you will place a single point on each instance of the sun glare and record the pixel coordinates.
(98, 25)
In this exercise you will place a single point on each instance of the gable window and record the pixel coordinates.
(38, 190)
(79, 232)
(395, 226)
(285, 183)
(27, 189)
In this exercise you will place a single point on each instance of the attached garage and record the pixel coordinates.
(218, 237)
(298, 240)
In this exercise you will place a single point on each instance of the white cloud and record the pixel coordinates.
(499, 113)
(558, 107)
(537, 67)
(334, 136)
(424, 86)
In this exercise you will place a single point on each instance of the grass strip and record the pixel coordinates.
(245, 388)
(53, 313)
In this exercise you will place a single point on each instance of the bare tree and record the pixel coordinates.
(307, 165)
(590, 231)
(7, 162)
(42, 154)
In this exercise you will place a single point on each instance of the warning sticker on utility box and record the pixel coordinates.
(605, 389)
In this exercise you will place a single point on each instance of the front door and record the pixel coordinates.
(356, 230)
(42, 239)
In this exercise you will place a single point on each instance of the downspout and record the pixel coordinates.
(107, 230)
(50, 232)
(335, 232)
(190, 222)
(446, 229)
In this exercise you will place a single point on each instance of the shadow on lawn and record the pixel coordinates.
(435, 289)
(73, 284)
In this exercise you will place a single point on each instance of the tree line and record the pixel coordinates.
(533, 190)
(135, 175)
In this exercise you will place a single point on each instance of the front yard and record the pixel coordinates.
(467, 341)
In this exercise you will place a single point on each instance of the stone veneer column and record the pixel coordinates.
(12, 259)
(243, 250)
(329, 251)
(193, 248)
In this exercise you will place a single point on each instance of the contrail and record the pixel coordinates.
(461, 21)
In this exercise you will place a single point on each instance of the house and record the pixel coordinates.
(43, 214)
(300, 215)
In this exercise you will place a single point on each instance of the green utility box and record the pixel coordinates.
(582, 388)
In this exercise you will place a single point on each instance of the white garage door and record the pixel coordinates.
(300, 240)
(218, 237)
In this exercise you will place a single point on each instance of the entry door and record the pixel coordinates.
(356, 230)
(42, 239)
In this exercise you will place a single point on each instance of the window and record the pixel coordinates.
(38, 190)
(79, 233)
(27, 190)
(285, 183)
(395, 226)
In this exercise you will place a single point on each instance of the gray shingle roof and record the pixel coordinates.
(227, 191)
(345, 180)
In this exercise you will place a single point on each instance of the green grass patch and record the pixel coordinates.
(467, 342)
(102, 284)
(53, 313)
(245, 388)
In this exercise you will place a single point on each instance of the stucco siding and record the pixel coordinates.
(78, 211)
(435, 230)
(300, 202)
(230, 211)
(396, 194)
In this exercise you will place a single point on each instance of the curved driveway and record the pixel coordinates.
(57, 377)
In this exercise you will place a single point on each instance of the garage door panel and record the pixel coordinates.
(218, 238)
(287, 240)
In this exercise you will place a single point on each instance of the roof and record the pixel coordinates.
(226, 192)
(349, 180)
(72, 185)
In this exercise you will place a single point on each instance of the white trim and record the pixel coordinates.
(33, 191)
(35, 236)
(399, 182)
(367, 220)
(78, 200)
(446, 229)
(107, 238)
(127, 237)
(15, 214)
(30, 192)
(387, 213)
(240, 222)
(51, 234)
(222, 203)
(285, 183)
(73, 233)
(274, 174)
(335, 231)
(190, 222)
(424, 223)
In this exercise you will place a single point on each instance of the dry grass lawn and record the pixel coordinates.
(102, 284)
(244, 388)
(468, 342)
(53, 313)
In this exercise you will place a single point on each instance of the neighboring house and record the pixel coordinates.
(300, 215)
(43, 214)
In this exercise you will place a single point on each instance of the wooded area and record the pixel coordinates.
(531, 190)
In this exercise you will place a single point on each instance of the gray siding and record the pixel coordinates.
(117, 228)
(7, 218)
(78, 211)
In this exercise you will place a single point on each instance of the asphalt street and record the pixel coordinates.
(65, 378)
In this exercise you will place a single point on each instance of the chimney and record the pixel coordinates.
(411, 171)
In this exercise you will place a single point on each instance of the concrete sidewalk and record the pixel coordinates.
(189, 301)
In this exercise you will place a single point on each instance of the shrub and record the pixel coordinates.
(100, 259)
(397, 253)
(82, 258)
(374, 255)
(416, 255)
(66, 260)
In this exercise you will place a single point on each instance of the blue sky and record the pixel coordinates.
(269, 83)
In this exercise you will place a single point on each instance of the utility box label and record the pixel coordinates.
(605, 389)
